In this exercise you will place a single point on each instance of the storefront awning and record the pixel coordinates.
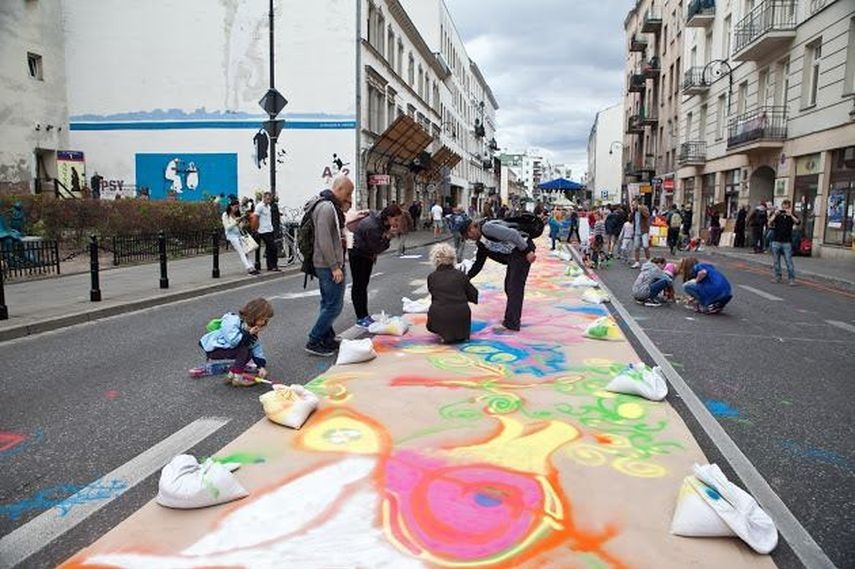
(399, 144)
(445, 157)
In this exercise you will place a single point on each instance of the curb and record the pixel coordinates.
(833, 281)
(59, 322)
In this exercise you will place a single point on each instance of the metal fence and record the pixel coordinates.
(763, 123)
(692, 152)
(128, 249)
(29, 258)
(770, 15)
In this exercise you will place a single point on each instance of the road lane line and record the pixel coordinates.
(801, 542)
(841, 325)
(759, 292)
(39, 532)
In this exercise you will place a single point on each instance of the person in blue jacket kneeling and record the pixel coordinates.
(707, 286)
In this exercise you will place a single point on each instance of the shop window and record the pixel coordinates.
(732, 184)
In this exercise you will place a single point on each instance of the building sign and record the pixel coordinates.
(71, 169)
(604, 194)
(668, 184)
(645, 188)
(378, 180)
(807, 165)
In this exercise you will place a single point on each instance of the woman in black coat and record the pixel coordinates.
(451, 292)
(371, 238)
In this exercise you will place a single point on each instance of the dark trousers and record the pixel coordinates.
(574, 230)
(757, 238)
(270, 253)
(673, 238)
(240, 355)
(360, 270)
(515, 277)
(739, 237)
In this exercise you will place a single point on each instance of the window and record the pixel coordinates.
(689, 125)
(372, 101)
(849, 82)
(676, 83)
(742, 98)
(708, 46)
(731, 192)
(411, 71)
(390, 47)
(421, 85)
(725, 39)
(664, 40)
(372, 16)
(400, 59)
(720, 120)
(762, 87)
(702, 124)
(379, 39)
(810, 79)
(34, 63)
(693, 57)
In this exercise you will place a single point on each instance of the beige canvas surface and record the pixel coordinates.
(502, 452)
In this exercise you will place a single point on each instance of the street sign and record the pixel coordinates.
(272, 102)
(656, 181)
(273, 127)
(604, 194)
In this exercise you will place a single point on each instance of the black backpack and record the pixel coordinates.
(306, 242)
(527, 223)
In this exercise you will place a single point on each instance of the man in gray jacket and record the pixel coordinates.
(504, 244)
(327, 210)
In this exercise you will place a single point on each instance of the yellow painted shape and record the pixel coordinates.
(630, 410)
(343, 433)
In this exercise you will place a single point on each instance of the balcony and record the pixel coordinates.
(692, 153)
(766, 30)
(640, 168)
(637, 44)
(701, 13)
(648, 119)
(764, 127)
(650, 68)
(634, 125)
(652, 21)
(637, 83)
(693, 81)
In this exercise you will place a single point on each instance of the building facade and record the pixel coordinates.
(604, 155)
(769, 114)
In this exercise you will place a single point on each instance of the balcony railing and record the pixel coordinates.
(773, 20)
(634, 125)
(638, 168)
(650, 68)
(648, 119)
(637, 43)
(762, 124)
(637, 83)
(701, 13)
(693, 81)
(652, 20)
(694, 152)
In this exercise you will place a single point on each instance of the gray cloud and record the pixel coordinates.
(552, 64)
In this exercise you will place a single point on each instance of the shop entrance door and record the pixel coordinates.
(805, 199)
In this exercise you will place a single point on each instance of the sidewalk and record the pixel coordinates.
(49, 304)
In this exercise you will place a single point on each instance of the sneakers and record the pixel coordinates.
(776, 280)
(792, 282)
(635, 265)
(652, 302)
(320, 349)
(240, 380)
(365, 322)
(253, 272)
(332, 343)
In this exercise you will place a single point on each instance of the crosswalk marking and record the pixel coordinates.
(761, 293)
(841, 325)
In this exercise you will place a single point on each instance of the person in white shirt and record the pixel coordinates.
(265, 231)
(436, 215)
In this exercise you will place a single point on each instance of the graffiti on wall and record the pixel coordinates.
(187, 177)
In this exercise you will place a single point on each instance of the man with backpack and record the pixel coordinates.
(455, 222)
(509, 242)
(322, 243)
(675, 222)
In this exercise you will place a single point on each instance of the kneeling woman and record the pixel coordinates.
(451, 292)
(705, 284)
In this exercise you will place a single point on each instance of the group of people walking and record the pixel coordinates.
(256, 221)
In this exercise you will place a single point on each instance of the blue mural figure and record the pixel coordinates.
(187, 177)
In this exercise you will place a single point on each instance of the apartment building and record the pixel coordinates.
(604, 155)
(654, 60)
(768, 113)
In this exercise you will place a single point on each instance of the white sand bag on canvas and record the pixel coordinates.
(355, 351)
(573, 270)
(595, 296)
(693, 517)
(604, 328)
(289, 405)
(186, 484)
(582, 281)
(639, 379)
(464, 265)
(391, 326)
(565, 255)
(420, 306)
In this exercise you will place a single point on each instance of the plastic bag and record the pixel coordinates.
(186, 484)
(604, 328)
(464, 266)
(565, 255)
(392, 326)
(289, 405)
(420, 306)
(573, 270)
(582, 281)
(595, 296)
(737, 512)
(638, 379)
(355, 351)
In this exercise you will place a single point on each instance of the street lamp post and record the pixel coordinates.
(716, 68)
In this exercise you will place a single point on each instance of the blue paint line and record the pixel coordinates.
(202, 114)
(63, 497)
(817, 454)
(206, 125)
(721, 409)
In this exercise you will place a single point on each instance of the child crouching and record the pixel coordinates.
(237, 338)
(451, 292)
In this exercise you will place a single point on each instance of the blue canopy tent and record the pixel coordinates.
(560, 184)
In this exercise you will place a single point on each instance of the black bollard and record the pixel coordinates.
(161, 249)
(95, 292)
(215, 242)
(4, 310)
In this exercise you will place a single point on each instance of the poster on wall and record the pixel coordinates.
(187, 177)
(71, 169)
(836, 204)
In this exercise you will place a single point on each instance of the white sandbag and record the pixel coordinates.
(391, 326)
(693, 517)
(573, 270)
(737, 508)
(604, 328)
(355, 351)
(186, 484)
(420, 306)
(565, 255)
(639, 379)
(595, 296)
(465, 265)
(289, 405)
(582, 281)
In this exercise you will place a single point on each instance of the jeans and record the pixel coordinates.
(459, 246)
(785, 249)
(240, 354)
(691, 288)
(658, 285)
(332, 300)
(360, 270)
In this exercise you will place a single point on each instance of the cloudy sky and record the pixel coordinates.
(552, 64)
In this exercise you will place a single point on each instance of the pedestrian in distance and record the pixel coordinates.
(715, 227)
(265, 231)
(555, 226)
(614, 222)
(233, 223)
(407, 225)
(451, 292)
(640, 217)
(705, 284)
(757, 221)
(455, 222)
(416, 214)
(235, 337)
(626, 240)
(598, 239)
(782, 222)
(371, 237)
(675, 222)
(651, 282)
(500, 241)
(322, 243)
(739, 227)
(574, 227)
(688, 215)
(436, 217)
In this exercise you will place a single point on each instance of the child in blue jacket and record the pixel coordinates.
(237, 338)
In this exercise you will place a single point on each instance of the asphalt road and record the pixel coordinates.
(775, 368)
(91, 397)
